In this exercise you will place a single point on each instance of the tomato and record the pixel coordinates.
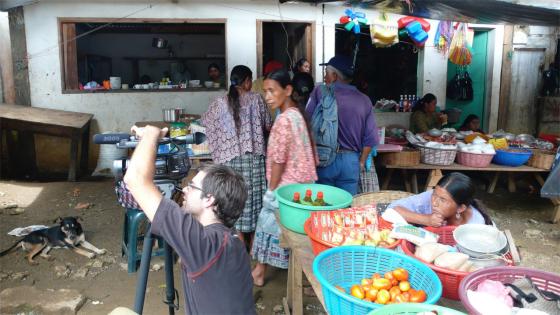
(417, 296)
(400, 274)
(381, 283)
(339, 288)
(357, 291)
(389, 276)
(401, 298)
(383, 296)
(371, 294)
(367, 287)
(394, 291)
(366, 281)
(404, 286)
(376, 276)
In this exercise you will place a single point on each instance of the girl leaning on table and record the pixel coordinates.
(290, 159)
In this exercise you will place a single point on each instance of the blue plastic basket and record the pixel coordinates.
(512, 158)
(348, 265)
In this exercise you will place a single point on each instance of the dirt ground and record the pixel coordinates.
(108, 285)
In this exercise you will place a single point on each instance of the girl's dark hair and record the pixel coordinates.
(303, 84)
(298, 64)
(468, 120)
(462, 189)
(213, 65)
(283, 78)
(421, 104)
(238, 75)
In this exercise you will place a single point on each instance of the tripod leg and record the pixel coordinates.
(143, 272)
(169, 284)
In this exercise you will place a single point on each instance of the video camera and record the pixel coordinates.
(172, 160)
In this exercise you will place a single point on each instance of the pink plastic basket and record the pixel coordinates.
(474, 159)
(544, 280)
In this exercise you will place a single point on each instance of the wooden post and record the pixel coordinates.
(70, 53)
(556, 211)
(22, 152)
(505, 80)
(433, 179)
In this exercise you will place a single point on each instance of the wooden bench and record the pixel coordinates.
(435, 174)
(51, 122)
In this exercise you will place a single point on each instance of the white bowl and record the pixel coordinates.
(477, 239)
(208, 84)
(194, 82)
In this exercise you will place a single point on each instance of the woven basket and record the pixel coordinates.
(437, 156)
(542, 159)
(381, 199)
(406, 157)
(474, 159)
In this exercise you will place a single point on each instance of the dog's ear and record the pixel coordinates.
(59, 219)
(79, 218)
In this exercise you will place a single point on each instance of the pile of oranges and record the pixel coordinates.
(393, 287)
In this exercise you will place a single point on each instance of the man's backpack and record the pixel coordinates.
(324, 125)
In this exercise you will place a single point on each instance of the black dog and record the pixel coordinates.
(68, 234)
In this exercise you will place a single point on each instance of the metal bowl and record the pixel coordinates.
(488, 261)
(435, 132)
(477, 240)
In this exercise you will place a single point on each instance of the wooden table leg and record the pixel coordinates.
(406, 180)
(294, 294)
(433, 179)
(387, 178)
(84, 154)
(539, 178)
(73, 159)
(493, 183)
(414, 180)
(556, 211)
(511, 183)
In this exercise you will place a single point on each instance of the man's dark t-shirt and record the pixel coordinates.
(216, 272)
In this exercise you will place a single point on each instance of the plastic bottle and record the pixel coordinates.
(307, 199)
(296, 198)
(401, 103)
(404, 103)
(319, 201)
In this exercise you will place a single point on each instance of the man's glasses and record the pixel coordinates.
(190, 185)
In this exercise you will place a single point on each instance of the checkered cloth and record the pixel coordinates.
(266, 250)
(124, 196)
(252, 168)
(368, 181)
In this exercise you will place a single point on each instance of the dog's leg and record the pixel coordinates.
(87, 245)
(83, 252)
(45, 253)
(35, 249)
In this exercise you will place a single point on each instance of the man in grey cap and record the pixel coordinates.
(338, 108)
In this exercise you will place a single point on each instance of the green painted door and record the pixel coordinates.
(477, 72)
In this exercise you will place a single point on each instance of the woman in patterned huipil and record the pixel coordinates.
(290, 158)
(236, 124)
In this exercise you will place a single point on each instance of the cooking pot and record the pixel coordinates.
(173, 114)
(158, 42)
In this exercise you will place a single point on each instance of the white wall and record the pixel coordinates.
(44, 64)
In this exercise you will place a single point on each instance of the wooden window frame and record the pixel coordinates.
(69, 63)
(310, 34)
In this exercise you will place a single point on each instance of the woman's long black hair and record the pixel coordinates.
(468, 120)
(421, 104)
(298, 64)
(238, 75)
(298, 96)
(462, 189)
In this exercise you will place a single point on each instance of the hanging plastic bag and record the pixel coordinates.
(384, 32)
(467, 92)
(459, 53)
(444, 34)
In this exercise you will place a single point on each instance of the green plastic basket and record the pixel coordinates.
(293, 215)
(413, 309)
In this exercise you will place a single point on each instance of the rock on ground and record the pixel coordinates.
(26, 298)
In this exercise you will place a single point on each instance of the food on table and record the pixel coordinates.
(451, 260)
(428, 252)
(386, 289)
(296, 198)
(308, 201)
(319, 201)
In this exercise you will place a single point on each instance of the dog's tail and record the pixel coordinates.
(7, 251)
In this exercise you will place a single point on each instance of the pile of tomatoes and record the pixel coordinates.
(393, 287)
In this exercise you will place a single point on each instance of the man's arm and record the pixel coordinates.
(139, 177)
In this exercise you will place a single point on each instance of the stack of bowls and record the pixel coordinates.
(485, 244)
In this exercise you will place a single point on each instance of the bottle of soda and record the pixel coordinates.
(307, 199)
(319, 201)
(296, 198)
(401, 102)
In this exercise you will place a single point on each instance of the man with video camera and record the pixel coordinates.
(216, 274)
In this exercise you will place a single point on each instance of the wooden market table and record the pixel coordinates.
(301, 261)
(436, 174)
(51, 122)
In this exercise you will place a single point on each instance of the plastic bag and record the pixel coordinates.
(384, 33)
(551, 187)
(459, 53)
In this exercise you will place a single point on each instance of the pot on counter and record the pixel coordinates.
(173, 114)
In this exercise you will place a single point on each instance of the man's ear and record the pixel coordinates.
(208, 201)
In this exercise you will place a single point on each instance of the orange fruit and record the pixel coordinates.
(357, 291)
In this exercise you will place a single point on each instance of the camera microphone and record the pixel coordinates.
(110, 138)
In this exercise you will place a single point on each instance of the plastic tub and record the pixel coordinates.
(348, 265)
(293, 215)
(512, 157)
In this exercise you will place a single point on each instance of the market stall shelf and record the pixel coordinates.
(52, 122)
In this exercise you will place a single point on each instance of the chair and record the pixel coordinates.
(132, 222)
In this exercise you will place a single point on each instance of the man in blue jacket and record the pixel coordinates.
(357, 131)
